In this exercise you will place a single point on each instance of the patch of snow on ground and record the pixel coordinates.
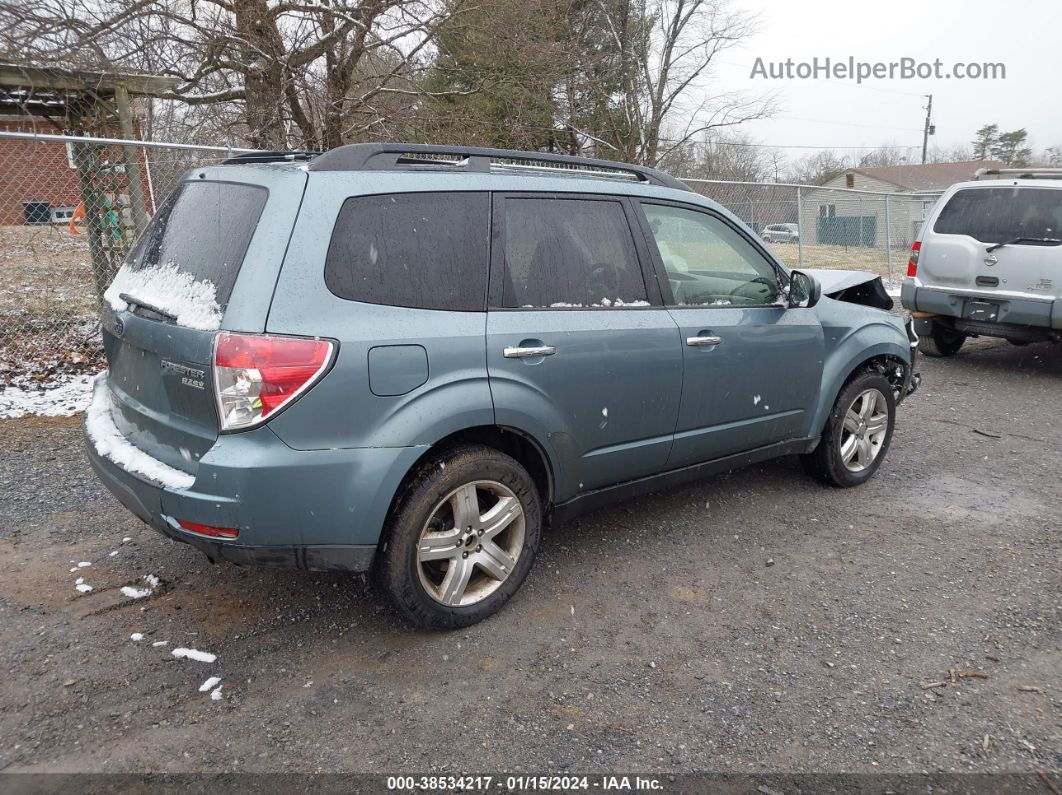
(137, 636)
(110, 444)
(216, 695)
(81, 585)
(194, 654)
(61, 398)
(158, 643)
(209, 684)
(140, 593)
(194, 303)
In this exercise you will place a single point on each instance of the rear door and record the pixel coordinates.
(579, 350)
(173, 293)
(955, 251)
(752, 366)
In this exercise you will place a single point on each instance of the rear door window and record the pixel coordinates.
(996, 215)
(202, 230)
(422, 250)
(567, 253)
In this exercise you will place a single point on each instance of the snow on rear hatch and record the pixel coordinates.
(187, 261)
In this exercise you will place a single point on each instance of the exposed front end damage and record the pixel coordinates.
(853, 287)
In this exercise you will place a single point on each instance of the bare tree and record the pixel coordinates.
(817, 168)
(312, 73)
(647, 91)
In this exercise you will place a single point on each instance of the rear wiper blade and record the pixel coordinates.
(1041, 241)
(129, 299)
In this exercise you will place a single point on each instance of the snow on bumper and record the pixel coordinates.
(110, 444)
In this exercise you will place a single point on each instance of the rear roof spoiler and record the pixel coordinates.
(1020, 173)
(288, 156)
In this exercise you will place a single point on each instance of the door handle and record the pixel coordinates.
(527, 353)
(696, 342)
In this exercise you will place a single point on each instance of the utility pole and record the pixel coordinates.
(929, 128)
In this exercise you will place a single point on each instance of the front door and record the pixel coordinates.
(579, 352)
(752, 366)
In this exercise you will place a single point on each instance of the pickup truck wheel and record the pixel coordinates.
(941, 341)
(857, 433)
(461, 538)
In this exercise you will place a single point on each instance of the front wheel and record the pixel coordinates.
(857, 433)
(461, 539)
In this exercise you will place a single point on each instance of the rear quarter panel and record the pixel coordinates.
(342, 411)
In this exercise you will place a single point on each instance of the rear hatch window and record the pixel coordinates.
(998, 215)
(184, 267)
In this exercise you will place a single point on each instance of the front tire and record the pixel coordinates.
(857, 433)
(461, 538)
(941, 341)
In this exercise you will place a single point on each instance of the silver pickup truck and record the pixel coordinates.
(988, 262)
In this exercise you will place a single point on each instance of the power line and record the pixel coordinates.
(847, 123)
(804, 146)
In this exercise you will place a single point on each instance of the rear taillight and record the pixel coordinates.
(256, 375)
(912, 263)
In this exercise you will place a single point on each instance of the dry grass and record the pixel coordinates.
(48, 306)
(856, 258)
(45, 273)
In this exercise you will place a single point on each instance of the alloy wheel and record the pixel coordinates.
(866, 423)
(471, 542)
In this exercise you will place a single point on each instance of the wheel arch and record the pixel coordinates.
(884, 355)
(516, 443)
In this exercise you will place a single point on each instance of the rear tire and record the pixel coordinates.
(941, 341)
(461, 539)
(857, 433)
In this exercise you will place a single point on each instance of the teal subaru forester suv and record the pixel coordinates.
(407, 359)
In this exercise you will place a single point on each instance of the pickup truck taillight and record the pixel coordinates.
(257, 375)
(912, 263)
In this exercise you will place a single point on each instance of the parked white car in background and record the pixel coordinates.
(781, 233)
(988, 262)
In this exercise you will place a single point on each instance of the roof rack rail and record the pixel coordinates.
(270, 157)
(428, 157)
(1043, 172)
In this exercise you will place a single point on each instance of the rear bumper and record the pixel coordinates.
(144, 500)
(316, 509)
(1041, 314)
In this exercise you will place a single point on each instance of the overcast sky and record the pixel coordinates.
(1023, 34)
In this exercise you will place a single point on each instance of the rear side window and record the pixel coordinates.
(421, 250)
(202, 229)
(996, 215)
(569, 253)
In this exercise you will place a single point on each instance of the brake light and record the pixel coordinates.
(256, 375)
(209, 530)
(912, 263)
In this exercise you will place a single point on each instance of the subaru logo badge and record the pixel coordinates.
(119, 327)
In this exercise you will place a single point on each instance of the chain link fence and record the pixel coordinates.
(810, 226)
(71, 208)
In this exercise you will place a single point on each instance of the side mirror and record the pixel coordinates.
(804, 290)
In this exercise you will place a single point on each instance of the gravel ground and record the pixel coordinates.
(755, 622)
